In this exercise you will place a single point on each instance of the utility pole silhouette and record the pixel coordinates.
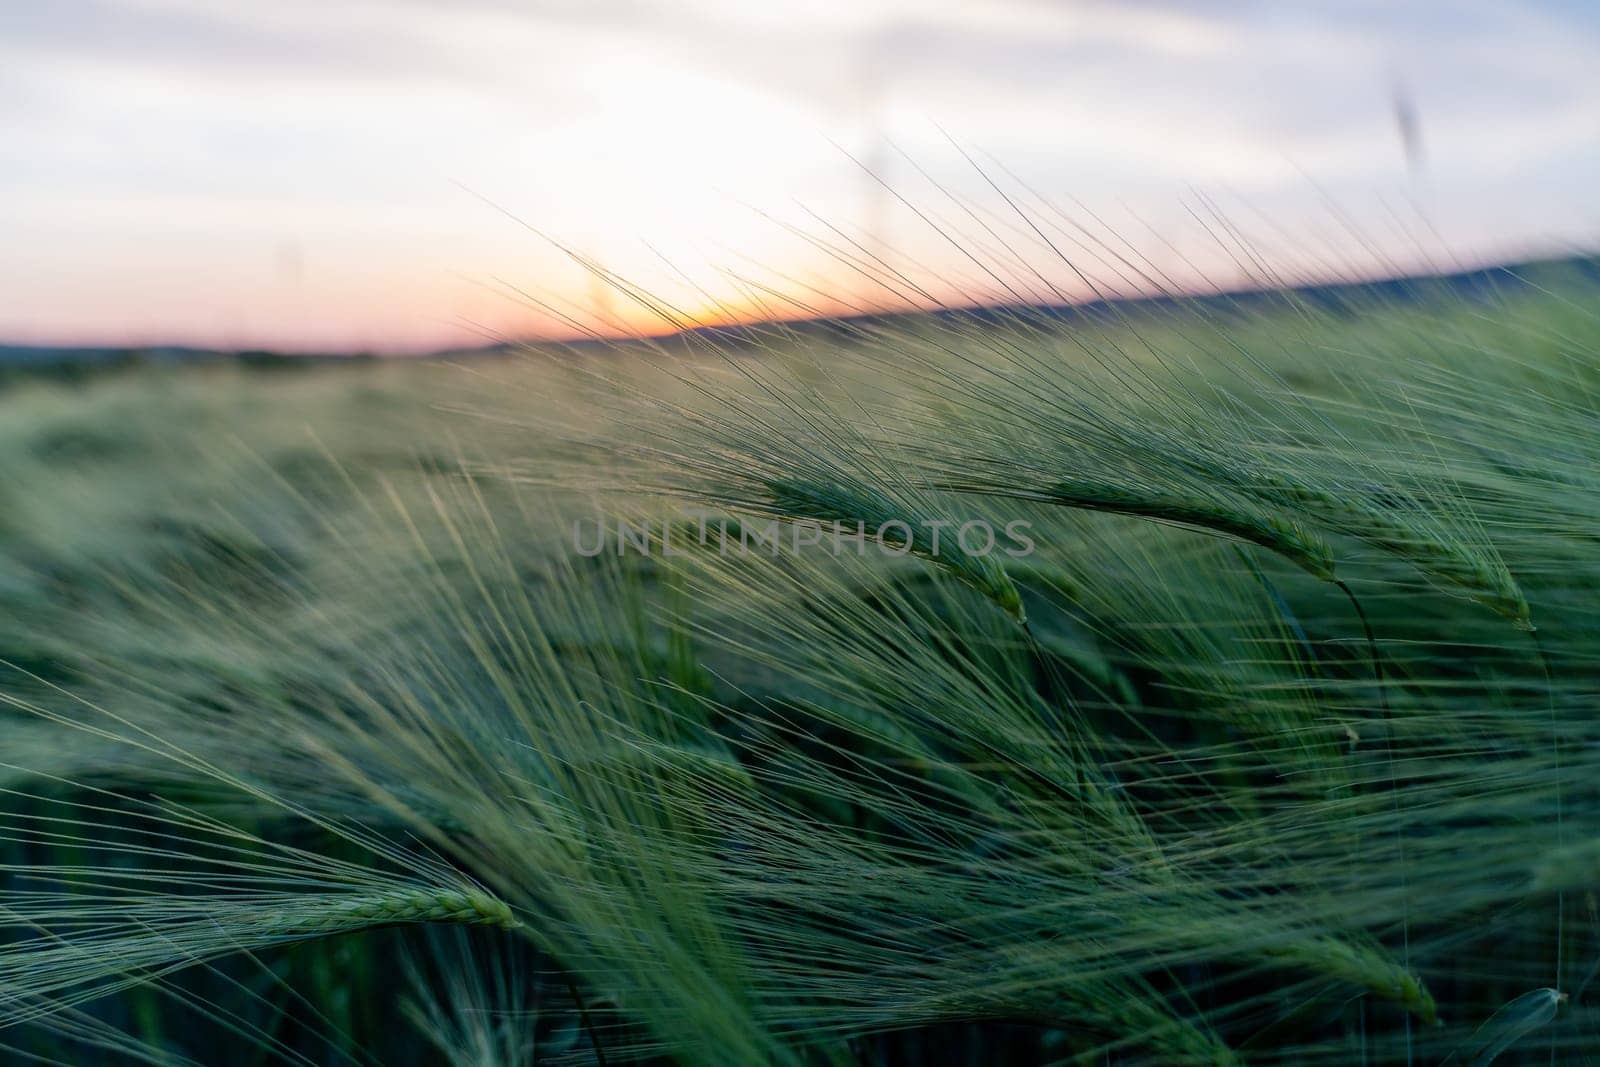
(1409, 124)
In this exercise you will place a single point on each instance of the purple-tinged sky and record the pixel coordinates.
(309, 173)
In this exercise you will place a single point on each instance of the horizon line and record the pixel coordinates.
(1586, 260)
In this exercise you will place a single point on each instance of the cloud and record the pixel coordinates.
(344, 123)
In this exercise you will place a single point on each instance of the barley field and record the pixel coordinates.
(1190, 682)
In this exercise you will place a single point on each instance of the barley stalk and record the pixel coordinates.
(314, 918)
(1363, 966)
(1217, 514)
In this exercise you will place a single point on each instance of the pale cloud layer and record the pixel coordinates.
(308, 173)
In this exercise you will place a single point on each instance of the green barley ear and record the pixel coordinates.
(1279, 534)
(848, 502)
(1364, 966)
(1515, 1020)
(119, 911)
(70, 947)
(1479, 575)
(1572, 867)
(312, 917)
(1216, 511)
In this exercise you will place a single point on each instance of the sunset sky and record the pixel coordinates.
(342, 174)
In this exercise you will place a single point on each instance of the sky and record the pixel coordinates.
(402, 175)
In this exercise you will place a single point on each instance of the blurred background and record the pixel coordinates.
(355, 175)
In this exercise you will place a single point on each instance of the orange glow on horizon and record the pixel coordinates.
(265, 176)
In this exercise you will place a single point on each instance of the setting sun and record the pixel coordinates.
(299, 176)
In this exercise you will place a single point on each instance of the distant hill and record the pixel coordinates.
(1478, 285)
(73, 361)
(45, 355)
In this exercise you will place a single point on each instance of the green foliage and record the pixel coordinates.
(298, 669)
